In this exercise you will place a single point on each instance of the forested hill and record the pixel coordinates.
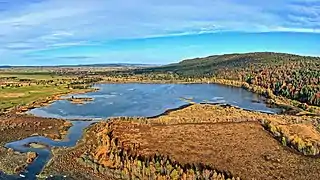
(292, 76)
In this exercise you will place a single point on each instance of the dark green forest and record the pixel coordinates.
(291, 76)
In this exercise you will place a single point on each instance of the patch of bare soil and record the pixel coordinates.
(80, 101)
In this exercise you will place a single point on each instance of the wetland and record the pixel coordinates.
(129, 100)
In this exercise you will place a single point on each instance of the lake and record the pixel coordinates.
(150, 100)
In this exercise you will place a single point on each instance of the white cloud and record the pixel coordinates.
(302, 30)
(68, 44)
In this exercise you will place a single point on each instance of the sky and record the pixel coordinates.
(57, 32)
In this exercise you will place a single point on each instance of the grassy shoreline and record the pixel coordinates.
(46, 101)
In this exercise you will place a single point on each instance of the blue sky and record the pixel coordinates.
(50, 32)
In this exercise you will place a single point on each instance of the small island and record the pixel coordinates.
(37, 145)
(79, 100)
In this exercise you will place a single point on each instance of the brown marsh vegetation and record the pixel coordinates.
(198, 141)
(14, 127)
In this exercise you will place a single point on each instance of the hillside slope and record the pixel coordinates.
(292, 76)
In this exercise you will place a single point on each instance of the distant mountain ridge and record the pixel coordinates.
(212, 65)
(87, 65)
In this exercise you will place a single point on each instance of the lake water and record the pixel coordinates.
(149, 100)
(130, 100)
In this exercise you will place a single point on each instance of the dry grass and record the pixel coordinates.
(225, 138)
(12, 162)
(245, 149)
(303, 131)
(22, 126)
(202, 113)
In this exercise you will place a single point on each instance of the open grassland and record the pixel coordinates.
(198, 141)
(20, 96)
(21, 90)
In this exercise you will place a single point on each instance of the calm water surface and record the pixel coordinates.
(130, 100)
(149, 100)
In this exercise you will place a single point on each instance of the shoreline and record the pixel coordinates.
(272, 101)
(288, 105)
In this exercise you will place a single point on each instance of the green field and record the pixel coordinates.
(17, 96)
(19, 88)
